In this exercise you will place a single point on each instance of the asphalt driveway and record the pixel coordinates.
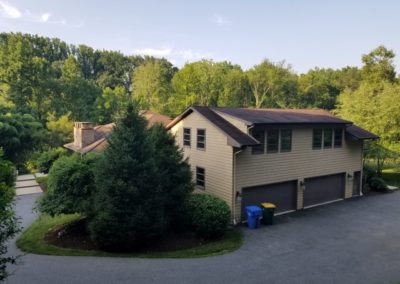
(354, 241)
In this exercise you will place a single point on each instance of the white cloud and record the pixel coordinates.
(9, 11)
(45, 17)
(12, 12)
(191, 55)
(157, 52)
(220, 20)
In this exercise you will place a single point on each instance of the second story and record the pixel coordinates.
(268, 134)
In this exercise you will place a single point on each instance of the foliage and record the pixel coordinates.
(47, 158)
(129, 206)
(111, 103)
(60, 128)
(174, 172)
(378, 66)
(20, 134)
(372, 179)
(8, 221)
(272, 84)
(70, 185)
(152, 85)
(208, 215)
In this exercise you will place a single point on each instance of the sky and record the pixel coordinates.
(304, 33)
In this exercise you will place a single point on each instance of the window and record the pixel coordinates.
(186, 137)
(258, 134)
(317, 139)
(338, 137)
(286, 140)
(200, 177)
(328, 138)
(272, 140)
(201, 138)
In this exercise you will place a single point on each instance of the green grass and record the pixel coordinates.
(391, 176)
(32, 241)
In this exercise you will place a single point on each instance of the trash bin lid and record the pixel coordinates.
(268, 205)
(253, 209)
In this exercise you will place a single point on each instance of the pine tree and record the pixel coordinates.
(129, 209)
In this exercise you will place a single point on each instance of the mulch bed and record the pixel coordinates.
(75, 236)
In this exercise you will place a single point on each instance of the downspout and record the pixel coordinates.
(234, 186)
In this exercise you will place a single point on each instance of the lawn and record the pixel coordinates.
(32, 240)
(392, 176)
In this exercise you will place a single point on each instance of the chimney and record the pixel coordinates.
(83, 134)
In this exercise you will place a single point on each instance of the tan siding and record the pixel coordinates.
(302, 162)
(234, 121)
(216, 159)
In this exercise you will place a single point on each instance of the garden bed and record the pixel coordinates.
(67, 235)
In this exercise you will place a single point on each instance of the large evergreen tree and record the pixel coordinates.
(128, 206)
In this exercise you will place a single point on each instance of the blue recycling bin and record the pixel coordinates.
(254, 214)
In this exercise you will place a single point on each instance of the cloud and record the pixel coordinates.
(9, 11)
(12, 12)
(220, 20)
(191, 55)
(45, 17)
(157, 52)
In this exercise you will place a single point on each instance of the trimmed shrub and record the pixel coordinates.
(207, 215)
(47, 158)
(70, 185)
(372, 180)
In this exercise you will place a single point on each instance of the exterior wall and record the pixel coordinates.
(302, 162)
(239, 124)
(216, 159)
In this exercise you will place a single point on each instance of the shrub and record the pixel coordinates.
(70, 185)
(372, 180)
(47, 158)
(207, 215)
(8, 221)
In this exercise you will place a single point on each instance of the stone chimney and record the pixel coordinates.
(83, 134)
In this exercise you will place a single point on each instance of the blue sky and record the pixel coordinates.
(304, 33)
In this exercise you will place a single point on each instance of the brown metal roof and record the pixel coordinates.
(253, 116)
(236, 138)
(358, 133)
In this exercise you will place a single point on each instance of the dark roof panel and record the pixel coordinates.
(282, 116)
(359, 133)
(233, 133)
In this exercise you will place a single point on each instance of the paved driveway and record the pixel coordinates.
(355, 241)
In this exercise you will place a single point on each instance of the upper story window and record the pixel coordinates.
(200, 177)
(317, 138)
(259, 135)
(286, 140)
(186, 137)
(328, 138)
(201, 138)
(338, 137)
(272, 140)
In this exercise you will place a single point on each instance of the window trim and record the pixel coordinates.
(197, 139)
(203, 187)
(190, 137)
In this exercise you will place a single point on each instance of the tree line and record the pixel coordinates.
(46, 84)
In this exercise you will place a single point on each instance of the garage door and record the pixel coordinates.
(283, 195)
(356, 183)
(323, 189)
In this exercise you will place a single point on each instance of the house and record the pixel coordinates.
(294, 158)
(89, 138)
